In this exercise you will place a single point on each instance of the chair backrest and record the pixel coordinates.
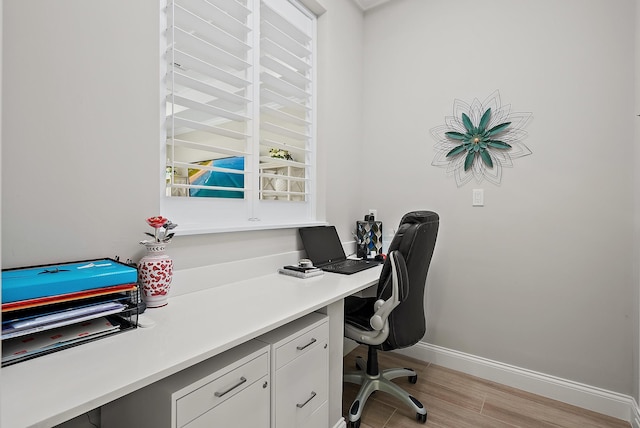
(416, 240)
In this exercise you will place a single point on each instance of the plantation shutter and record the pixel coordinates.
(240, 113)
(208, 98)
(286, 101)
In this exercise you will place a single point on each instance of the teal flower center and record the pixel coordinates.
(477, 140)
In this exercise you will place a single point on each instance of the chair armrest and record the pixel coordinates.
(400, 287)
(379, 321)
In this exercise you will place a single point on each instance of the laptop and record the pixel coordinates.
(324, 249)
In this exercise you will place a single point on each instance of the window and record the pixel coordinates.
(240, 131)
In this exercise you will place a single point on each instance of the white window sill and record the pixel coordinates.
(194, 229)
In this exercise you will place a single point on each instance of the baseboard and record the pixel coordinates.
(588, 397)
(341, 424)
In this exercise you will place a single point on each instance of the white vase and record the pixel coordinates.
(280, 185)
(155, 272)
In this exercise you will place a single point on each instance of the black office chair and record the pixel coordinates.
(395, 318)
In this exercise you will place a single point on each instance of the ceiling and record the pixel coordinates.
(369, 4)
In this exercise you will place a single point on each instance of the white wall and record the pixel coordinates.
(636, 235)
(80, 141)
(1, 56)
(541, 277)
(341, 154)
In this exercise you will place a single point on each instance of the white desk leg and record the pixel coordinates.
(335, 311)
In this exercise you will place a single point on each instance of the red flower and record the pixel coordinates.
(157, 222)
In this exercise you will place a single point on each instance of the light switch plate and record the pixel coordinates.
(478, 197)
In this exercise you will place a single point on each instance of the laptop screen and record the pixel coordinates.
(322, 244)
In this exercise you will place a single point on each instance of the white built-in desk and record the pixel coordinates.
(54, 388)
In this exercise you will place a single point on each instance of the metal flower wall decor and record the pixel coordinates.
(480, 139)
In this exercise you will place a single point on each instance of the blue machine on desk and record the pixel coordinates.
(49, 308)
(52, 280)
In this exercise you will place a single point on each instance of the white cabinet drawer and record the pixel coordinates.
(248, 409)
(297, 338)
(301, 388)
(302, 344)
(183, 397)
(195, 403)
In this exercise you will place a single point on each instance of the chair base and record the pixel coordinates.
(369, 383)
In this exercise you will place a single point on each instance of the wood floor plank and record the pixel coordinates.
(458, 400)
(521, 408)
(443, 414)
(450, 386)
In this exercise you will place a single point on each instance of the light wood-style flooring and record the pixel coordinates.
(458, 400)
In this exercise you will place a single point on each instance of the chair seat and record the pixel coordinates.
(358, 312)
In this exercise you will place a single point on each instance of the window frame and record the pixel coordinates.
(214, 215)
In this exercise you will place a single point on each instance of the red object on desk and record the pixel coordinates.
(41, 301)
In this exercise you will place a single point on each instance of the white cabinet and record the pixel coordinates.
(300, 373)
(280, 380)
(230, 389)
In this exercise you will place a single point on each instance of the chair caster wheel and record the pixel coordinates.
(412, 379)
(355, 424)
(421, 418)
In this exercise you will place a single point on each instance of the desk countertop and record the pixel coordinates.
(193, 327)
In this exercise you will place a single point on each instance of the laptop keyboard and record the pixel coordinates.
(340, 265)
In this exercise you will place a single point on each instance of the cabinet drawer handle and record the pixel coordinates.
(220, 394)
(300, 348)
(300, 406)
